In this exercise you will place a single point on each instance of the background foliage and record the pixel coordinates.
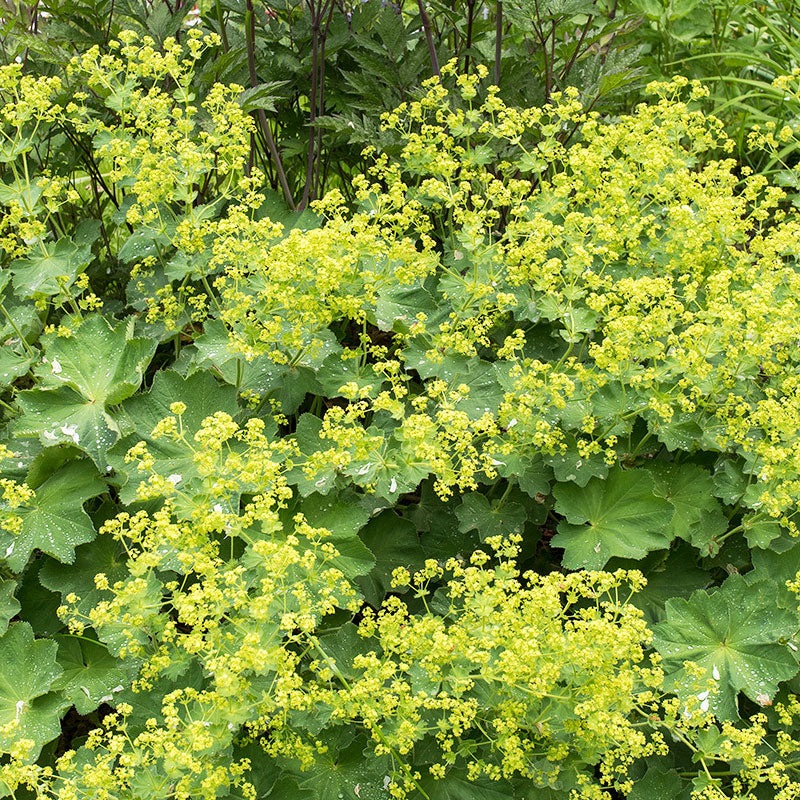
(333, 377)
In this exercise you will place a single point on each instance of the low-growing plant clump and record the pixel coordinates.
(484, 485)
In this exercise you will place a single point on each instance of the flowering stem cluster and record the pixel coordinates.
(405, 499)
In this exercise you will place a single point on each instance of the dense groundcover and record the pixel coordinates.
(475, 479)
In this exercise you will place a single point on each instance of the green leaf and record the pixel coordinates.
(342, 645)
(760, 532)
(64, 416)
(779, 567)
(12, 366)
(689, 489)
(38, 273)
(91, 675)
(288, 384)
(142, 243)
(100, 361)
(657, 784)
(9, 605)
(203, 396)
(336, 371)
(308, 440)
(730, 482)
(354, 558)
(571, 466)
(456, 785)
(436, 520)
(48, 461)
(397, 307)
(485, 394)
(476, 513)
(669, 573)
(104, 555)
(343, 771)
(620, 516)
(99, 366)
(26, 194)
(737, 634)
(274, 207)
(261, 96)
(39, 607)
(23, 318)
(395, 543)
(55, 521)
(529, 471)
(344, 518)
(28, 670)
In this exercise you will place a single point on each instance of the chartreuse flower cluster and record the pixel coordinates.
(540, 678)
(160, 148)
(625, 277)
(605, 273)
(28, 199)
(531, 316)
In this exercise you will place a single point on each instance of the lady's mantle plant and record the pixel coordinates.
(344, 463)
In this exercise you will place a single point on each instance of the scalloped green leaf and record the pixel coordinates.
(498, 518)
(63, 415)
(307, 437)
(457, 785)
(571, 467)
(80, 377)
(737, 634)
(779, 567)
(41, 271)
(28, 671)
(689, 489)
(343, 517)
(203, 395)
(620, 516)
(55, 521)
(104, 363)
(105, 554)
(288, 384)
(657, 784)
(395, 543)
(12, 366)
(90, 674)
(343, 772)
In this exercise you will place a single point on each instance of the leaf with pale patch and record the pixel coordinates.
(80, 378)
(737, 634)
(28, 671)
(90, 676)
(59, 416)
(101, 361)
